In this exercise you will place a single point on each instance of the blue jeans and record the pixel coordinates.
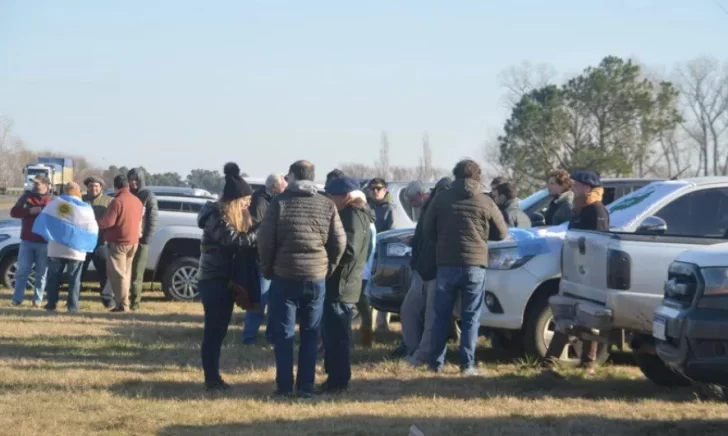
(337, 343)
(217, 301)
(253, 318)
(30, 254)
(73, 268)
(468, 283)
(289, 299)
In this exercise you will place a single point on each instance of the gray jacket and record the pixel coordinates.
(514, 216)
(559, 210)
(301, 236)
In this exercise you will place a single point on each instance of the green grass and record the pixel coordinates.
(102, 373)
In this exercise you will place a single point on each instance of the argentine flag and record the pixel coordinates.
(68, 221)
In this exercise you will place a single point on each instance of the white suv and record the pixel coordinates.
(174, 250)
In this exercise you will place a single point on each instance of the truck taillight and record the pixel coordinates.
(619, 270)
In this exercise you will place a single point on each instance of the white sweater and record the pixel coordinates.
(63, 252)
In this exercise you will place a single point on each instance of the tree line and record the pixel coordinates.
(616, 118)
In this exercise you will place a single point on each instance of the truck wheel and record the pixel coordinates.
(179, 280)
(8, 269)
(538, 330)
(656, 371)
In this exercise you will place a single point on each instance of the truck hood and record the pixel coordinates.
(713, 256)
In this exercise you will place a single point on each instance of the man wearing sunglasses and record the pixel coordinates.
(380, 201)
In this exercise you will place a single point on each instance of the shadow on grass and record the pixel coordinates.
(28, 312)
(512, 425)
(464, 388)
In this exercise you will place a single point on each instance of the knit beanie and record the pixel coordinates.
(235, 186)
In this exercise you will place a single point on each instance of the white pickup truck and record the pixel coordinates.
(612, 282)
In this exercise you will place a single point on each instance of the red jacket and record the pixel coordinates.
(122, 222)
(21, 210)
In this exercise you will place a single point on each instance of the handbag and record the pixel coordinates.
(244, 283)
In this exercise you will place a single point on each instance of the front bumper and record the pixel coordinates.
(695, 343)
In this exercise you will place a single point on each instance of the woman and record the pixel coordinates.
(589, 214)
(559, 187)
(343, 287)
(227, 234)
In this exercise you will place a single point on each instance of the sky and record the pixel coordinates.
(176, 85)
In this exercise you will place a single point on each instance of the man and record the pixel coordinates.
(334, 174)
(589, 214)
(149, 226)
(380, 200)
(33, 249)
(69, 226)
(497, 181)
(504, 196)
(417, 312)
(122, 226)
(343, 287)
(274, 185)
(300, 243)
(459, 223)
(99, 202)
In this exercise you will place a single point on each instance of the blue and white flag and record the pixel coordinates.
(68, 221)
(534, 242)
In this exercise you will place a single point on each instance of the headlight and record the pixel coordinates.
(716, 281)
(506, 258)
(4, 237)
(397, 249)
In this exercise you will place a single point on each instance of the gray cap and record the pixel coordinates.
(416, 187)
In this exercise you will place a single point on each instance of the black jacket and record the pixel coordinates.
(514, 216)
(559, 210)
(220, 242)
(384, 211)
(592, 217)
(259, 204)
(344, 285)
(149, 202)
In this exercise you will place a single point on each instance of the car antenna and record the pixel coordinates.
(677, 176)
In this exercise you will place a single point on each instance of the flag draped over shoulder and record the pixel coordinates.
(68, 221)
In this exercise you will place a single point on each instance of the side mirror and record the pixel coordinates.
(652, 225)
(537, 219)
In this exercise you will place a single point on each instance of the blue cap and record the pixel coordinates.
(342, 186)
(587, 178)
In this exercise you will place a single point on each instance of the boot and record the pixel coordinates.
(367, 339)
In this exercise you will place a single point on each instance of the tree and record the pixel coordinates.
(609, 119)
(382, 166)
(519, 80)
(425, 170)
(166, 179)
(209, 180)
(704, 86)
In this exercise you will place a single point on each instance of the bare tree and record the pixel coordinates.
(518, 80)
(704, 87)
(425, 170)
(6, 169)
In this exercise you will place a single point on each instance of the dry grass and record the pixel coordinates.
(98, 373)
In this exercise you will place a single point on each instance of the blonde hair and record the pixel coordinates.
(235, 215)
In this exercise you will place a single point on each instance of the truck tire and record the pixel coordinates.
(657, 372)
(538, 322)
(179, 279)
(8, 269)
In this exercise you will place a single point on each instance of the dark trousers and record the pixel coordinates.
(99, 259)
(217, 302)
(560, 340)
(289, 299)
(337, 343)
(56, 268)
(138, 267)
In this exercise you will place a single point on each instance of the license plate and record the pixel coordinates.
(658, 328)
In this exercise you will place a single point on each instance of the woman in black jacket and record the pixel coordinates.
(559, 187)
(226, 234)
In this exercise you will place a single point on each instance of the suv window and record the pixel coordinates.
(701, 213)
(169, 206)
(191, 207)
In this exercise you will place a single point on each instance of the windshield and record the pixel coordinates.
(36, 171)
(628, 209)
(532, 199)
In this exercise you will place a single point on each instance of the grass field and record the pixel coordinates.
(98, 373)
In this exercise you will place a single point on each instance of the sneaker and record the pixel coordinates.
(36, 304)
(472, 372)
(108, 304)
(216, 386)
(134, 308)
(118, 309)
(49, 308)
(72, 310)
(16, 303)
(413, 361)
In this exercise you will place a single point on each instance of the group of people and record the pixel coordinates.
(62, 235)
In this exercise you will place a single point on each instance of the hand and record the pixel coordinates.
(35, 210)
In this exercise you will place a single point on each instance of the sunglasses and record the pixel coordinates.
(377, 188)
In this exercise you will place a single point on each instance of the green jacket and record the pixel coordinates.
(344, 284)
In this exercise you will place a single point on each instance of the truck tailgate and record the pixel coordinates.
(584, 264)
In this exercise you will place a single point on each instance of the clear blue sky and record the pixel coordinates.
(175, 85)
